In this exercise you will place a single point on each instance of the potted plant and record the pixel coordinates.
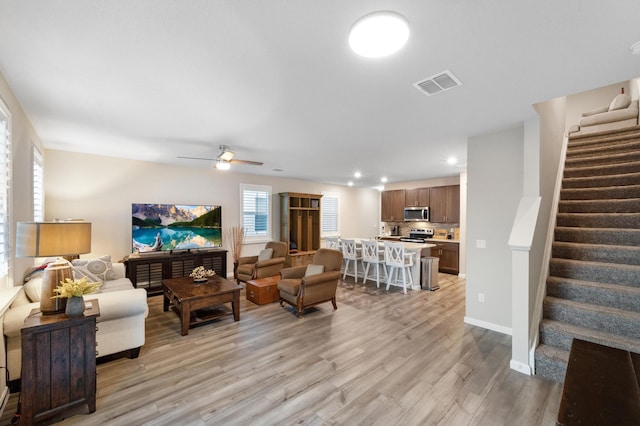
(236, 235)
(73, 290)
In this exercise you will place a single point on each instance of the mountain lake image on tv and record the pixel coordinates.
(162, 227)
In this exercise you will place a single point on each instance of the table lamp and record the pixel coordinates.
(48, 239)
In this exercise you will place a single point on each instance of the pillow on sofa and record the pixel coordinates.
(99, 267)
(620, 102)
(314, 270)
(33, 288)
(265, 254)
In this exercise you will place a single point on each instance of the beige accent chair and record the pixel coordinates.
(305, 285)
(620, 113)
(263, 265)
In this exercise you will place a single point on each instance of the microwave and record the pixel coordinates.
(416, 214)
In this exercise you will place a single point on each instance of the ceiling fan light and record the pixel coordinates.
(222, 165)
(226, 155)
(379, 34)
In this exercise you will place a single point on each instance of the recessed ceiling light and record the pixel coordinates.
(452, 160)
(383, 179)
(379, 188)
(379, 34)
(635, 48)
(350, 183)
(357, 175)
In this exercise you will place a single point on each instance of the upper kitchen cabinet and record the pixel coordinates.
(444, 204)
(392, 205)
(418, 197)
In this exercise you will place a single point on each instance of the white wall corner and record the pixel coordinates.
(520, 367)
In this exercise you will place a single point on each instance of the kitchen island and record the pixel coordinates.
(418, 249)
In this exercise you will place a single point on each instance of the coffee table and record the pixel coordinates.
(188, 297)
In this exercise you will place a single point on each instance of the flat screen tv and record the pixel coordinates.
(162, 227)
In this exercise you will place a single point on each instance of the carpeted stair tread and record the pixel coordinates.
(602, 169)
(599, 220)
(607, 273)
(603, 318)
(614, 236)
(619, 179)
(631, 131)
(624, 255)
(612, 158)
(551, 362)
(625, 205)
(560, 335)
(612, 295)
(599, 193)
(604, 148)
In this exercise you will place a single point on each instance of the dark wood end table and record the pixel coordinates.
(187, 297)
(58, 363)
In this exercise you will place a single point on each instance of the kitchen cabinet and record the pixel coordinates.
(392, 205)
(418, 197)
(448, 253)
(444, 204)
(300, 226)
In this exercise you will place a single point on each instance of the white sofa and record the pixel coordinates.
(620, 113)
(121, 324)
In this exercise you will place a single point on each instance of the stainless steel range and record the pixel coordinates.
(418, 235)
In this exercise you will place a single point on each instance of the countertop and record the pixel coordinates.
(430, 240)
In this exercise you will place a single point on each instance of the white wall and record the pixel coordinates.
(23, 138)
(495, 185)
(101, 190)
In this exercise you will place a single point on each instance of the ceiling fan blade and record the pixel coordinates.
(251, 163)
(196, 158)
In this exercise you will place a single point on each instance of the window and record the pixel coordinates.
(256, 212)
(5, 192)
(38, 186)
(330, 212)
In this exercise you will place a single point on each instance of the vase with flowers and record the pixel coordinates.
(236, 236)
(201, 275)
(73, 290)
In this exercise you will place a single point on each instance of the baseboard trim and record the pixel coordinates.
(520, 367)
(488, 325)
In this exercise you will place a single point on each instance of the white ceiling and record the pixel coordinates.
(276, 81)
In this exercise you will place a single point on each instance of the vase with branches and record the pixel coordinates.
(236, 236)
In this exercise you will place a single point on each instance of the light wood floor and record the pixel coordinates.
(382, 358)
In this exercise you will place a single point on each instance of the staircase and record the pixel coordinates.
(593, 289)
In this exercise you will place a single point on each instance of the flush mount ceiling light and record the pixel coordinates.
(379, 34)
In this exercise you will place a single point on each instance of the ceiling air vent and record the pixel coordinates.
(438, 83)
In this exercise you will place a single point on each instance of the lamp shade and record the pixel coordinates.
(44, 239)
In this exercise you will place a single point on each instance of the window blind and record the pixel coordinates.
(256, 210)
(38, 186)
(330, 213)
(5, 185)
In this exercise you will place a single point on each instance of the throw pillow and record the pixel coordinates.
(80, 272)
(314, 270)
(99, 267)
(33, 288)
(620, 102)
(265, 254)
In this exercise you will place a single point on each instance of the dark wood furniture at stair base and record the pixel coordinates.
(188, 297)
(263, 290)
(601, 386)
(148, 270)
(58, 364)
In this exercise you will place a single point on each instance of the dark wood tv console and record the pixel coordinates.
(148, 270)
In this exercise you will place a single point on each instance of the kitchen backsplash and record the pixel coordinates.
(406, 226)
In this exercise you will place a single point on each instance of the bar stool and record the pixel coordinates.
(350, 255)
(396, 259)
(371, 255)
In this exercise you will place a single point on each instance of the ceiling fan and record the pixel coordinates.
(225, 159)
